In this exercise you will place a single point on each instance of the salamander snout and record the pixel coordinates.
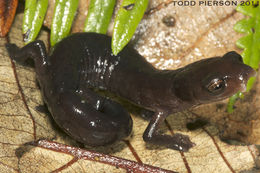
(245, 75)
(213, 79)
(235, 72)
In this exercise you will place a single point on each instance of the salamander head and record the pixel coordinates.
(212, 79)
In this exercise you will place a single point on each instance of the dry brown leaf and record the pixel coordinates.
(198, 32)
(7, 13)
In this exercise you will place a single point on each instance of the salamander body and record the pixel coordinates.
(83, 62)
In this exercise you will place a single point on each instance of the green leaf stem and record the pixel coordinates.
(63, 16)
(34, 14)
(127, 19)
(99, 15)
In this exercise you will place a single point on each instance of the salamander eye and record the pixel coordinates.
(216, 85)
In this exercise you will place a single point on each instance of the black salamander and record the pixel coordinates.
(84, 61)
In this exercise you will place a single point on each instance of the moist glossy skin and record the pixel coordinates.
(83, 61)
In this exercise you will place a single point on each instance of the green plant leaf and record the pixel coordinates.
(248, 9)
(250, 42)
(243, 27)
(99, 15)
(63, 16)
(127, 19)
(232, 101)
(34, 14)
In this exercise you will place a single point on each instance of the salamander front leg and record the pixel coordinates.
(177, 141)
